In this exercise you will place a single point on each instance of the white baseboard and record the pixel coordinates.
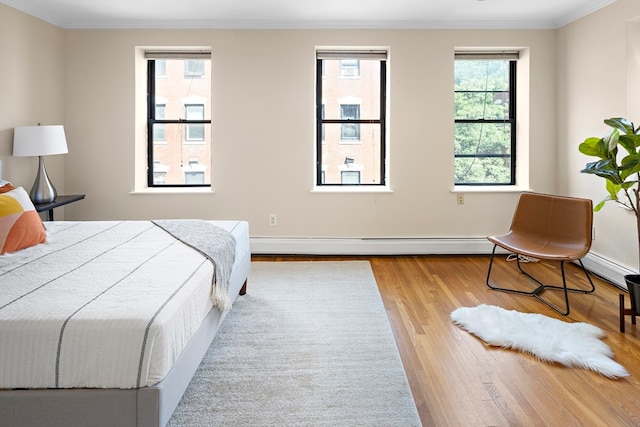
(408, 246)
(368, 246)
(607, 269)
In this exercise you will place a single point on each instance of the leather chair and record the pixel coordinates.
(550, 228)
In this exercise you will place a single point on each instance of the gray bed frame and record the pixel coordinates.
(143, 407)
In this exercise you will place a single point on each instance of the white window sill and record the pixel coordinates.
(173, 190)
(489, 189)
(352, 189)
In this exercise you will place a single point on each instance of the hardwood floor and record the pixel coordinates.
(457, 380)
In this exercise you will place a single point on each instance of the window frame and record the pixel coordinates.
(511, 120)
(152, 121)
(321, 121)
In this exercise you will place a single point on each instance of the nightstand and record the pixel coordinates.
(59, 201)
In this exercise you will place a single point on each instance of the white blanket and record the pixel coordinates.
(102, 304)
(215, 243)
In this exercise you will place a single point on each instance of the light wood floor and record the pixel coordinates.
(457, 380)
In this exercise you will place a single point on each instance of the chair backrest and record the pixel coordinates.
(554, 219)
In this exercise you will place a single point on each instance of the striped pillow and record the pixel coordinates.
(20, 224)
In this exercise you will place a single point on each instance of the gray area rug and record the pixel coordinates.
(308, 345)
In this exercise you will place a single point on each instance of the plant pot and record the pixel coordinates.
(633, 285)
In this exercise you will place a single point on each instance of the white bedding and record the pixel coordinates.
(103, 304)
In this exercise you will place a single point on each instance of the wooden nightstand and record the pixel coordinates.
(59, 201)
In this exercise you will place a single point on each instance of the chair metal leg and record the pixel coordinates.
(542, 287)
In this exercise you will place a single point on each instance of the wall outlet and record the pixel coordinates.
(273, 220)
(460, 198)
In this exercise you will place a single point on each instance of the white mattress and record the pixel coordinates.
(104, 304)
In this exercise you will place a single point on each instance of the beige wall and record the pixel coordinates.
(264, 83)
(31, 90)
(598, 79)
(263, 132)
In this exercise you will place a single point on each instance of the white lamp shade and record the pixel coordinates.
(39, 141)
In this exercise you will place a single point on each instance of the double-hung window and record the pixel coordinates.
(351, 117)
(178, 118)
(485, 118)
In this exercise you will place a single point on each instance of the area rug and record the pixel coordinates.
(548, 339)
(308, 345)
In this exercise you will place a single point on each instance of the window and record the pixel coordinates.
(193, 68)
(350, 131)
(195, 131)
(159, 173)
(178, 119)
(350, 177)
(194, 172)
(161, 68)
(350, 68)
(159, 132)
(194, 177)
(485, 118)
(159, 177)
(351, 117)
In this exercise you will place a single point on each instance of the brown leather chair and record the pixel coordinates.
(551, 228)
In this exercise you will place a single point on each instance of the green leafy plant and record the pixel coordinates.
(621, 171)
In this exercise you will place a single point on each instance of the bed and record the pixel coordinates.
(106, 322)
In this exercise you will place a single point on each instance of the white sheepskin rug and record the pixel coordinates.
(548, 339)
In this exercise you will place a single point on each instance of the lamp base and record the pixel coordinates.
(43, 190)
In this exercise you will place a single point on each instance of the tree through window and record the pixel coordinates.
(485, 119)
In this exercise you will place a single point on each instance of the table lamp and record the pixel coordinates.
(40, 141)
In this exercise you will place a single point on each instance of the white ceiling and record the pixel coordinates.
(480, 14)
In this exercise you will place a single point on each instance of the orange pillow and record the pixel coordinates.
(20, 224)
(6, 188)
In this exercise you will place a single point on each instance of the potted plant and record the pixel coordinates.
(622, 175)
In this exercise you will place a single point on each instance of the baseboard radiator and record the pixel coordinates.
(608, 270)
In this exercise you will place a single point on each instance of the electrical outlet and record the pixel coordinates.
(273, 219)
(460, 199)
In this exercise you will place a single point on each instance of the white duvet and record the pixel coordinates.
(102, 304)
